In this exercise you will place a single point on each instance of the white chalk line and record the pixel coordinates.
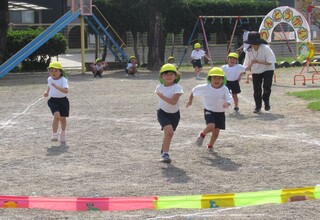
(216, 212)
(20, 114)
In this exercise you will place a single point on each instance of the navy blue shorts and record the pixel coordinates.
(165, 119)
(59, 105)
(196, 63)
(217, 118)
(234, 86)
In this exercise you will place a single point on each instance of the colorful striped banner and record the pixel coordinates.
(162, 202)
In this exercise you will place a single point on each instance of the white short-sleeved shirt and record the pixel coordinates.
(197, 55)
(213, 99)
(99, 66)
(131, 65)
(264, 53)
(169, 91)
(233, 73)
(61, 82)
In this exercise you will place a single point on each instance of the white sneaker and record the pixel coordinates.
(54, 137)
(63, 137)
(210, 149)
(127, 75)
(199, 140)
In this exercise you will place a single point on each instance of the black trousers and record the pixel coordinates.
(265, 80)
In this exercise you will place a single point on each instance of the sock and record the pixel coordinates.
(165, 153)
(210, 146)
(202, 134)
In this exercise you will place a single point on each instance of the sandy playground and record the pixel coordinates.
(114, 142)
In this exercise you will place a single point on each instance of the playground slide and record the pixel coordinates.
(112, 41)
(37, 42)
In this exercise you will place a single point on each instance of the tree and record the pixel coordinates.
(4, 20)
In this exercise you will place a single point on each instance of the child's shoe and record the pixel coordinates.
(63, 137)
(54, 137)
(199, 140)
(165, 158)
(210, 148)
(236, 109)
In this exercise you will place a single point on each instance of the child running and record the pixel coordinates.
(233, 73)
(168, 112)
(216, 98)
(58, 103)
(196, 55)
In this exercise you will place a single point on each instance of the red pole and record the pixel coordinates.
(205, 39)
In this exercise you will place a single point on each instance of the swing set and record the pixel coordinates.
(202, 21)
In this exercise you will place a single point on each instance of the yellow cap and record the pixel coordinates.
(233, 55)
(56, 65)
(132, 57)
(169, 68)
(197, 46)
(216, 71)
(170, 58)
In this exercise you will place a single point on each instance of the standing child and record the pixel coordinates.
(98, 67)
(132, 67)
(233, 73)
(58, 103)
(196, 55)
(216, 98)
(168, 112)
(244, 47)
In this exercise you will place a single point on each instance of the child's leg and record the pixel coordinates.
(100, 72)
(168, 135)
(210, 128)
(55, 123)
(215, 134)
(94, 71)
(63, 123)
(235, 99)
(197, 72)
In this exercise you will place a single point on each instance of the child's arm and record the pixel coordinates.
(173, 100)
(208, 58)
(190, 100)
(228, 99)
(63, 90)
(46, 94)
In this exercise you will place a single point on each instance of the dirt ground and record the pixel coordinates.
(114, 142)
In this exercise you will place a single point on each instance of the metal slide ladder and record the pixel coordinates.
(37, 42)
(117, 49)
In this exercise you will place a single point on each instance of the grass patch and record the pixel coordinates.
(310, 95)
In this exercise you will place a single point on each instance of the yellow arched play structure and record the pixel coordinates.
(302, 31)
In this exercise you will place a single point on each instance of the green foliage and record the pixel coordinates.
(309, 95)
(180, 16)
(40, 59)
(314, 106)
